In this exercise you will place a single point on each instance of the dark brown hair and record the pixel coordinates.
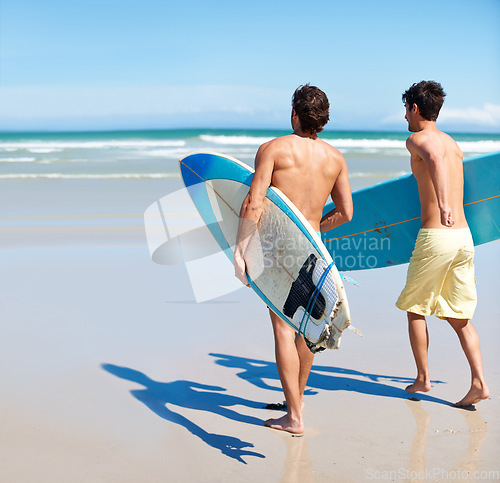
(312, 107)
(428, 96)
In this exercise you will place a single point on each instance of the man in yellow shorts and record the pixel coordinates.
(440, 276)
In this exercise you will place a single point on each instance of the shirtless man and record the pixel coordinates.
(307, 170)
(440, 276)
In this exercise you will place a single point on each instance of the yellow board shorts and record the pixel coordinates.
(440, 276)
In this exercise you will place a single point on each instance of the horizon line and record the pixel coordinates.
(254, 129)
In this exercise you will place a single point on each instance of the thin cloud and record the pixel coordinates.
(488, 115)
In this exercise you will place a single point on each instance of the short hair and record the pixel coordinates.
(312, 107)
(428, 96)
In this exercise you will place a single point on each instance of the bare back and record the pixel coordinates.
(436, 163)
(306, 170)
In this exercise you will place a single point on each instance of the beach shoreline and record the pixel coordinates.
(98, 387)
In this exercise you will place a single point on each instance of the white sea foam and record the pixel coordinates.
(105, 144)
(479, 146)
(117, 176)
(234, 140)
(142, 158)
(17, 160)
(373, 174)
(377, 145)
(166, 153)
(44, 150)
(337, 142)
(160, 147)
(367, 144)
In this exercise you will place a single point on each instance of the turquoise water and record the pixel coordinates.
(155, 154)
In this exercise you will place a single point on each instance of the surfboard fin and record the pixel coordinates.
(355, 330)
(314, 348)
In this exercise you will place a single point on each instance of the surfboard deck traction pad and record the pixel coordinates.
(306, 302)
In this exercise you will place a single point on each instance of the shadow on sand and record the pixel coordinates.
(327, 378)
(192, 395)
(160, 396)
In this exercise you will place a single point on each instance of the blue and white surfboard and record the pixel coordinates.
(287, 264)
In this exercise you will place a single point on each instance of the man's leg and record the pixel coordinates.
(419, 340)
(469, 341)
(288, 362)
(306, 358)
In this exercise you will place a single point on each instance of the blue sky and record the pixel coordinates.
(129, 64)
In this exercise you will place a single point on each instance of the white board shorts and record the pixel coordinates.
(440, 276)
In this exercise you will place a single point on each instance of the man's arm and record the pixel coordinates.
(252, 207)
(342, 198)
(434, 159)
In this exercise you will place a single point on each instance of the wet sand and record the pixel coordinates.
(100, 385)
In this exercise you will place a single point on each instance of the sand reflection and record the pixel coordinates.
(467, 463)
(416, 462)
(478, 430)
(298, 465)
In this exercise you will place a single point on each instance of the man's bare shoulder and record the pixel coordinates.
(423, 142)
(331, 155)
(416, 139)
(452, 146)
(333, 151)
(433, 143)
(276, 144)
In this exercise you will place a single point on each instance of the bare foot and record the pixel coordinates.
(286, 423)
(476, 394)
(418, 386)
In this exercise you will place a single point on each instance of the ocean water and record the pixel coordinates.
(141, 155)
(99, 182)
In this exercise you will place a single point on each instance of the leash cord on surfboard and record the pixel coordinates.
(383, 227)
(312, 300)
